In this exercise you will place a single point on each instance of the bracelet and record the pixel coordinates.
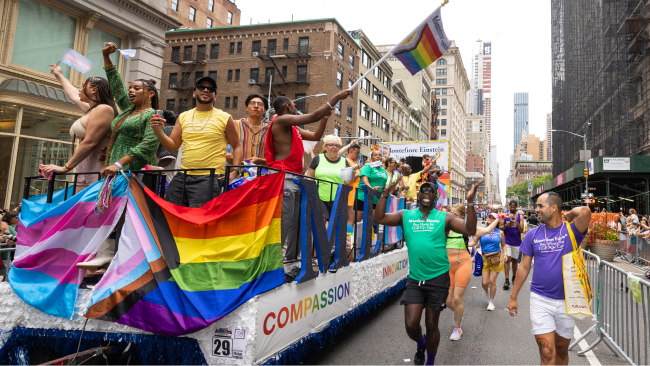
(67, 167)
(470, 204)
(328, 103)
(382, 196)
(120, 166)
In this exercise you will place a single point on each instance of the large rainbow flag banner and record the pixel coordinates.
(53, 238)
(191, 266)
(424, 45)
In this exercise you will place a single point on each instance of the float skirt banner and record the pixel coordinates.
(180, 269)
(296, 309)
(53, 238)
(395, 266)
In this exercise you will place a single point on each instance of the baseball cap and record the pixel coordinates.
(208, 79)
(494, 215)
(428, 184)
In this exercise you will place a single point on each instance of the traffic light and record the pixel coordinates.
(586, 173)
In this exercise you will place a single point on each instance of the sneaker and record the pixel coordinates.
(506, 286)
(419, 356)
(491, 306)
(455, 335)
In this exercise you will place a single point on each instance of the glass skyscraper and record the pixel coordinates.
(521, 117)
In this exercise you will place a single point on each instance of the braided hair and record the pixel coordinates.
(104, 93)
(150, 85)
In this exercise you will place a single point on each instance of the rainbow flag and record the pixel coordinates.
(424, 45)
(52, 240)
(191, 266)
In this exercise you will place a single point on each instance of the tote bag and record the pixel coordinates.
(577, 289)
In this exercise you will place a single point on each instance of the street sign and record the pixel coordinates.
(585, 196)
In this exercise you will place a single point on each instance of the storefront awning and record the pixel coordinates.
(37, 90)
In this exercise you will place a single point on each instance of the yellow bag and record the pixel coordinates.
(577, 288)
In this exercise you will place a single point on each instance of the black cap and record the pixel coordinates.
(209, 80)
(428, 184)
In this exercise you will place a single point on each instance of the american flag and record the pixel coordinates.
(77, 61)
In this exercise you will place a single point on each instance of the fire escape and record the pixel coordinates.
(278, 75)
(188, 63)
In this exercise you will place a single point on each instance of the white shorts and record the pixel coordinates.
(549, 315)
(512, 252)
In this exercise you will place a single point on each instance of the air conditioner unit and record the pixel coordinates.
(366, 109)
(338, 112)
(252, 81)
(173, 86)
(255, 54)
(349, 119)
(380, 92)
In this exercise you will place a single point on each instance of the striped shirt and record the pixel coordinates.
(253, 143)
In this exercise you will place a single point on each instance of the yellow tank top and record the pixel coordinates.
(204, 141)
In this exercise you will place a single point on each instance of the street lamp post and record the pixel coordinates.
(584, 139)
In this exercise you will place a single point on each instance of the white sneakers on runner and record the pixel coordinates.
(491, 306)
(455, 335)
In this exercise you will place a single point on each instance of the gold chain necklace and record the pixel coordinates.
(205, 121)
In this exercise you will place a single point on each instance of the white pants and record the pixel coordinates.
(549, 315)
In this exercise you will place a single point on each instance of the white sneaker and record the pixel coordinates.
(104, 256)
(455, 335)
(490, 306)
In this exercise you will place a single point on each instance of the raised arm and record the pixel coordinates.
(69, 89)
(118, 88)
(467, 227)
(346, 147)
(380, 216)
(480, 231)
(172, 142)
(315, 135)
(580, 216)
(304, 119)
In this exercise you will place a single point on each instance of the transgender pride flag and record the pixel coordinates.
(77, 61)
(394, 233)
(52, 241)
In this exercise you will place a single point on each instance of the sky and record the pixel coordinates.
(520, 31)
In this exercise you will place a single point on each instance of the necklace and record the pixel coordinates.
(205, 121)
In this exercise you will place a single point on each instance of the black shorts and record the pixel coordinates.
(327, 209)
(431, 293)
(196, 192)
(358, 204)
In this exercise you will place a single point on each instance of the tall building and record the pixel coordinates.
(521, 117)
(494, 168)
(204, 13)
(549, 137)
(246, 59)
(473, 162)
(36, 114)
(374, 93)
(476, 139)
(400, 112)
(486, 86)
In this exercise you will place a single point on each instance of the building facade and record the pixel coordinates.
(549, 136)
(521, 117)
(400, 112)
(473, 163)
(36, 114)
(472, 178)
(374, 93)
(530, 169)
(294, 59)
(476, 138)
(204, 13)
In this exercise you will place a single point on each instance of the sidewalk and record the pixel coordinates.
(628, 267)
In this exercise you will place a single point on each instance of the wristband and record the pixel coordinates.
(120, 166)
(328, 103)
(470, 205)
(67, 167)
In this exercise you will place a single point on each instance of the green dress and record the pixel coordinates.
(135, 137)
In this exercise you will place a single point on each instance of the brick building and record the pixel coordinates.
(302, 58)
(473, 163)
(531, 169)
(204, 13)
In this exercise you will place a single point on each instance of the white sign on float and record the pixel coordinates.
(616, 163)
(399, 150)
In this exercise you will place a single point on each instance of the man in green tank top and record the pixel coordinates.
(425, 231)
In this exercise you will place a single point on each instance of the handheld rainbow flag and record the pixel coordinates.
(426, 44)
(192, 266)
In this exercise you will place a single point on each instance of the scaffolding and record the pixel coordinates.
(600, 78)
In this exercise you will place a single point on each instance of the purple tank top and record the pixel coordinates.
(512, 234)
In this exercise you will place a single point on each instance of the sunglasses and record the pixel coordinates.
(426, 190)
(205, 87)
(333, 145)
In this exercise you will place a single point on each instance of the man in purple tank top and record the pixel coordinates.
(512, 227)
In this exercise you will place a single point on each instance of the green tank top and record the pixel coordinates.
(455, 241)
(426, 244)
(328, 171)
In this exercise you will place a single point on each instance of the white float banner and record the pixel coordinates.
(616, 163)
(394, 268)
(294, 310)
(404, 150)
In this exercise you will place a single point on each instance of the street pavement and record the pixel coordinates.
(489, 337)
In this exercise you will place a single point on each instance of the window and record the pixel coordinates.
(239, 46)
(350, 111)
(350, 84)
(175, 5)
(197, 76)
(441, 72)
(339, 79)
(341, 51)
(426, 90)
(270, 47)
(363, 133)
(385, 103)
(351, 60)
(230, 75)
(237, 73)
(366, 60)
(364, 111)
(209, 23)
(300, 104)
(284, 71)
(200, 52)
(232, 48)
(227, 102)
(443, 112)
(235, 100)
(337, 131)
(378, 73)
(269, 75)
(302, 73)
(171, 104)
(257, 46)
(192, 13)
(442, 61)
(441, 81)
(443, 122)
(187, 53)
(375, 94)
(387, 82)
(384, 124)
(443, 133)
(212, 75)
(211, 6)
(303, 45)
(285, 44)
(255, 74)
(364, 85)
(230, 18)
(375, 117)
(443, 101)
(214, 51)
(176, 54)
(437, 91)
(173, 80)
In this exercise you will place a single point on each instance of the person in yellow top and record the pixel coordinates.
(204, 132)
(410, 180)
